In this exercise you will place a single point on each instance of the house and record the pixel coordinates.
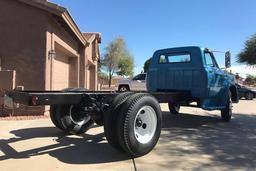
(42, 48)
(93, 57)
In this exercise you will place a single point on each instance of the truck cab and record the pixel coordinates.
(194, 70)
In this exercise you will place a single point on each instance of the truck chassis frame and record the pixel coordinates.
(37, 98)
(132, 120)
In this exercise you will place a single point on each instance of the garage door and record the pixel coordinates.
(60, 72)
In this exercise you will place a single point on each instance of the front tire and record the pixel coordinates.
(139, 124)
(226, 113)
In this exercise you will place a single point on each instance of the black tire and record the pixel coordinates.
(249, 96)
(123, 88)
(63, 118)
(54, 118)
(110, 118)
(174, 108)
(226, 113)
(73, 121)
(129, 121)
(55, 113)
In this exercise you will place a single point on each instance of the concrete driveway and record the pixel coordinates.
(193, 140)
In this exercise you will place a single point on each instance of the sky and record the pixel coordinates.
(148, 25)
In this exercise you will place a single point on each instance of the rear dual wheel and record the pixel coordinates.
(70, 118)
(138, 124)
(110, 119)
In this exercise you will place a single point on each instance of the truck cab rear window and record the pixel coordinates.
(174, 58)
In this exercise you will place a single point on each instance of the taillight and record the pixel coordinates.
(34, 100)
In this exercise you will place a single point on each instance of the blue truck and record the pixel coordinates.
(183, 76)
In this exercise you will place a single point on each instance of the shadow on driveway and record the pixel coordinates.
(231, 145)
(84, 149)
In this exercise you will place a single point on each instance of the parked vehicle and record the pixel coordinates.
(132, 120)
(137, 83)
(245, 92)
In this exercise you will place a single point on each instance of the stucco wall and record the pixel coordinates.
(7, 80)
(82, 75)
(59, 39)
(22, 42)
(27, 34)
(92, 64)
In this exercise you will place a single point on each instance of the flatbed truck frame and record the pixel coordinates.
(37, 98)
(132, 120)
(75, 111)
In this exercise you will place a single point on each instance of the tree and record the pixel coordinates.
(115, 58)
(250, 79)
(146, 65)
(102, 76)
(126, 65)
(248, 54)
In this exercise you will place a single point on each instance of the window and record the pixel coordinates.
(178, 58)
(140, 77)
(162, 59)
(208, 59)
(174, 58)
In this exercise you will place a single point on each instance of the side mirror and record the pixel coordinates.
(227, 59)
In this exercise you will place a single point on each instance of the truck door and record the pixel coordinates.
(216, 81)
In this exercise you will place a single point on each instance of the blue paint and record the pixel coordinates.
(208, 83)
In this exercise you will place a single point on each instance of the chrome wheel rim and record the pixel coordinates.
(145, 124)
(73, 114)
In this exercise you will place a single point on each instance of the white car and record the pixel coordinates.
(138, 83)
